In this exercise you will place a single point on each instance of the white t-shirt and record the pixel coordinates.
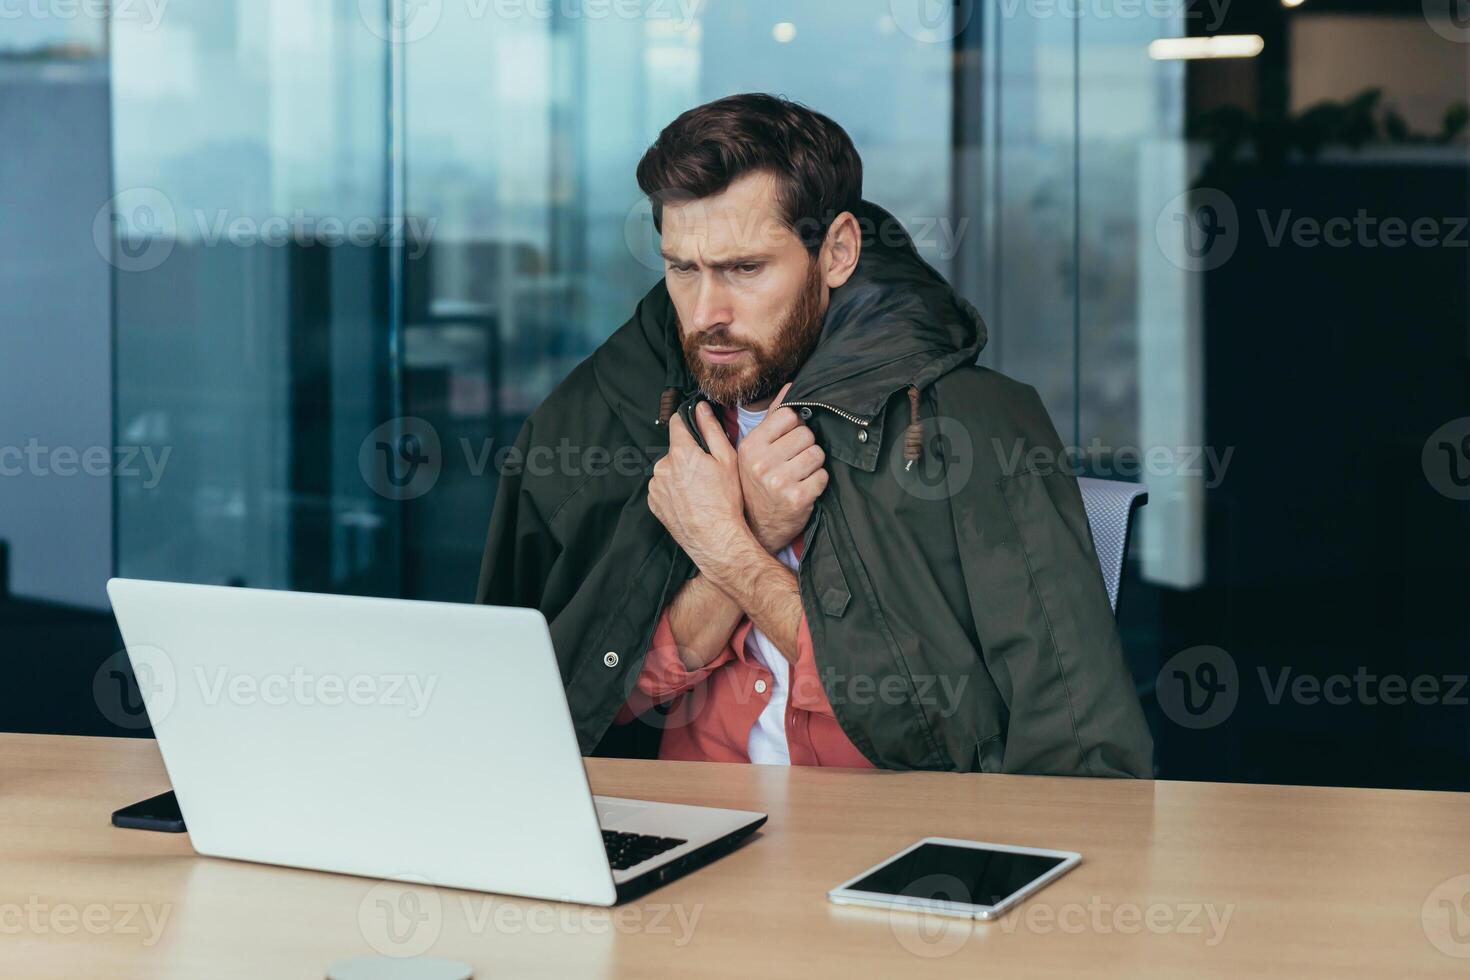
(768, 735)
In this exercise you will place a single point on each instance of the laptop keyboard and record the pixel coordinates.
(625, 850)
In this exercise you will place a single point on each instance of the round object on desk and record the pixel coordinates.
(407, 968)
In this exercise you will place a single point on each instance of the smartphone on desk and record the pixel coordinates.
(947, 876)
(159, 813)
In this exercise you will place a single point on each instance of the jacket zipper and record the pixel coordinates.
(855, 420)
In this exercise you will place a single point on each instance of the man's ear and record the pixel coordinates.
(841, 249)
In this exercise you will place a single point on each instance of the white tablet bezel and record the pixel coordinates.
(845, 894)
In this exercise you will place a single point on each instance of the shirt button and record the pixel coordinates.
(610, 658)
(862, 435)
(806, 413)
(760, 686)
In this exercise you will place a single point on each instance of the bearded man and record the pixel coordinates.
(846, 552)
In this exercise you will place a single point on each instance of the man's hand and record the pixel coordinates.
(696, 494)
(781, 476)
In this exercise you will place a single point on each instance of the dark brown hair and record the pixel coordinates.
(818, 171)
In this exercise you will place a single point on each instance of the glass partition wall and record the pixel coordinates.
(358, 242)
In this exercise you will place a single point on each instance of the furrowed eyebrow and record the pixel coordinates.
(720, 266)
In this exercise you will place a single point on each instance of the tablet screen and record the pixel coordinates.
(943, 872)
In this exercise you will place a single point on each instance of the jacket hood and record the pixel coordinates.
(895, 324)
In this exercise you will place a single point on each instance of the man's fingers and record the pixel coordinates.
(713, 432)
(777, 423)
(781, 396)
(793, 443)
(679, 434)
(805, 463)
(816, 483)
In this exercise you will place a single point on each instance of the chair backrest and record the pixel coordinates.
(1110, 505)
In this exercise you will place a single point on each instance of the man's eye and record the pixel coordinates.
(748, 268)
(682, 270)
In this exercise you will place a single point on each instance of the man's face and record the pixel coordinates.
(749, 296)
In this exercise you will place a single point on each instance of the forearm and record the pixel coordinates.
(702, 618)
(762, 587)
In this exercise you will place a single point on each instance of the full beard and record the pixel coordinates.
(774, 365)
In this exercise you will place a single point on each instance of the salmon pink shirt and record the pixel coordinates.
(713, 709)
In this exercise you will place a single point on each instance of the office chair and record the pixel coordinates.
(1110, 505)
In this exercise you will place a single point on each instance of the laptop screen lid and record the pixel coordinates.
(377, 737)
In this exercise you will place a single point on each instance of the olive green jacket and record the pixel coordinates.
(957, 611)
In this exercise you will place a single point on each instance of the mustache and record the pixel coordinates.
(718, 338)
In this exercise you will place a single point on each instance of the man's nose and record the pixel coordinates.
(712, 308)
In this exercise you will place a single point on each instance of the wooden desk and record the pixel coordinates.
(1177, 879)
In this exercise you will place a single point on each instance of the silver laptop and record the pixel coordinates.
(393, 739)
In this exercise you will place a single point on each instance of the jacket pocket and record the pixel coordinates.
(990, 754)
(833, 594)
